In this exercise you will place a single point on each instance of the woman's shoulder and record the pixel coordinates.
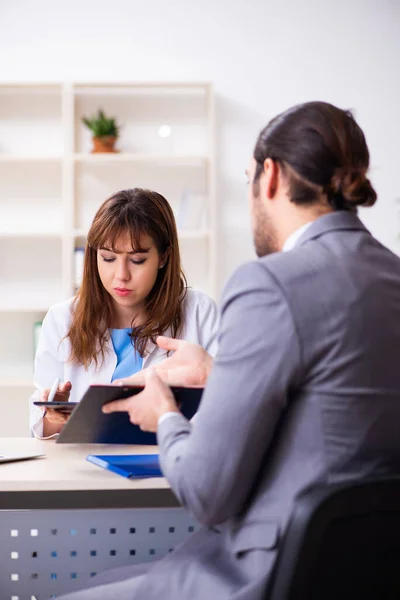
(57, 322)
(198, 300)
(62, 309)
(59, 317)
(200, 320)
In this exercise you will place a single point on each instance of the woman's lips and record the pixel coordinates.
(122, 291)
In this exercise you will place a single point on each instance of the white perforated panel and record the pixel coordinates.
(48, 552)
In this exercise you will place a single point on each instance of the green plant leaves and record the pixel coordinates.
(102, 126)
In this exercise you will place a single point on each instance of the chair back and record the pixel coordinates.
(342, 543)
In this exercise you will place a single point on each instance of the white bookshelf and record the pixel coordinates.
(51, 185)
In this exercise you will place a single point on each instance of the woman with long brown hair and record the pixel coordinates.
(133, 290)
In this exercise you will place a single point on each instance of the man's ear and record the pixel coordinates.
(271, 175)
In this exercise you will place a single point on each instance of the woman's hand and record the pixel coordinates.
(62, 394)
(55, 417)
(190, 364)
(54, 420)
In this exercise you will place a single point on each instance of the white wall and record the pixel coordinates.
(262, 55)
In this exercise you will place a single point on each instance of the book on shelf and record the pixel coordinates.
(191, 214)
(37, 328)
(79, 255)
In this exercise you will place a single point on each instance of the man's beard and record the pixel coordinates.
(264, 233)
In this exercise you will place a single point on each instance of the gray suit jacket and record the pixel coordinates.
(305, 388)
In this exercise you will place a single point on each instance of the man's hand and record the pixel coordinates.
(146, 408)
(189, 365)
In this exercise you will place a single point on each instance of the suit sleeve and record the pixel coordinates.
(212, 466)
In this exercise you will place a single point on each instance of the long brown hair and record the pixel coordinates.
(133, 212)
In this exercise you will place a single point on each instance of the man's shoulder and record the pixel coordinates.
(260, 269)
(278, 269)
(247, 278)
(283, 264)
(300, 262)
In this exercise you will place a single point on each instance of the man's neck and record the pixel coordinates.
(298, 218)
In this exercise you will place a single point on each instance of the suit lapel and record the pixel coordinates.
(335, 221)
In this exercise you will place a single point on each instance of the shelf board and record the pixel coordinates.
(13, 87)
(79, 233)
(193, 235)
(26, 299)
(16, 158)
(125, 88)
(28, 308)
(17, 375)
(16, 382)
(109, 157)
(182, 234)
(31, 234)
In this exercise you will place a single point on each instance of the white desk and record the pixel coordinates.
(65, 467)
(62, 519)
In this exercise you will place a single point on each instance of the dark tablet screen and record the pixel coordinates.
(88, 424)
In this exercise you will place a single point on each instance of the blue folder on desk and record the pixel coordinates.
(131, 466)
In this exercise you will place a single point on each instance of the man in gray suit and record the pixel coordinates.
(305, 386)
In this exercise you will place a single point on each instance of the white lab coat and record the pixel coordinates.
(51, 361)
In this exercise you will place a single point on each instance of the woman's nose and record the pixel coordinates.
(122, 271)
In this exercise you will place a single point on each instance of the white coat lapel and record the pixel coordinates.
(105, 372)
(154, 355)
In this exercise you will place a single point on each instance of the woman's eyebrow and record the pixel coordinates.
(138, 251)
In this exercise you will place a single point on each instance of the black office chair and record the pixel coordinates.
(342, 543)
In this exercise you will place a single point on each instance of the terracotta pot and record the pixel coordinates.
(104, 144)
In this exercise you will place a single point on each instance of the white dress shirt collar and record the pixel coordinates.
(293, 237)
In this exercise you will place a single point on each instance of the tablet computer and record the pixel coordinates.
(6, 458)
(61, 406)
(88, 424)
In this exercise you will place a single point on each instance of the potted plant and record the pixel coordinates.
(105, 132)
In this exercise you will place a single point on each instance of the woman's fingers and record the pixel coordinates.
(56, 416)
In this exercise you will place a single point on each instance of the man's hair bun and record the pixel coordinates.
(350, 188)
